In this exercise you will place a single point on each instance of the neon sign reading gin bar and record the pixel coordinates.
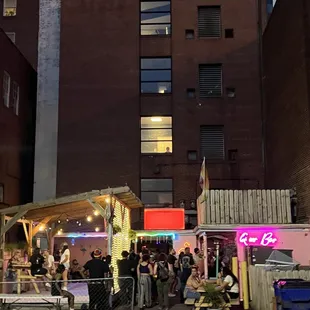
(257, 239)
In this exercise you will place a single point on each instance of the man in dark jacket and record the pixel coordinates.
(125, 281)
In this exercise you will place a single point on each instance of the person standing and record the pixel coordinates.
(65, 260)
(144, 272)
(173, 272)
(161, 271)
(186, 262)
(98, 294)
(124, 272)
(49, 261)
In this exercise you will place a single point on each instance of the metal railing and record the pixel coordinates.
(99, 294)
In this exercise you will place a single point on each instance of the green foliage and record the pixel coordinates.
(213, 296)
(116, 229)
(132, 234)
(11, 247)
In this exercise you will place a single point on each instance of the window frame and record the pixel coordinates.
(6, 91)
(15, 100)
(5, 7)
(157, 191)
(143, 24)
(156, 81)
(202, 37)
(156, 128)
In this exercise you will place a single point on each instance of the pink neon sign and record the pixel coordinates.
(257, 238)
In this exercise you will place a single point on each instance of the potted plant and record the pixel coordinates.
(213, 296)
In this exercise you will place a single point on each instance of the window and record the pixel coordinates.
(231, 92)
(155, 75)
(189, 34)
(192, 155)
(209, 22)
(11, 36)
(156, 135)
(15, 97)
(6, 88)
(156, 191)
(191, 93)
(9, 7)
(155, 18)
(210, 81)
(212, 142)
(1, 193)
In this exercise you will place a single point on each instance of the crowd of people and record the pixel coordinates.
(158, 277)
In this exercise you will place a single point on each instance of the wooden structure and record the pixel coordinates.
(244, 207)
(35, 215)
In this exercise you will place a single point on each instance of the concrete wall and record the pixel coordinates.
(47, 101)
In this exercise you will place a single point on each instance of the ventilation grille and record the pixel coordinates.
(209, 22)
(212, 142)
(210, 81)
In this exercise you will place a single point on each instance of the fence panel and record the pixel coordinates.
(261, 282)
(100, 294)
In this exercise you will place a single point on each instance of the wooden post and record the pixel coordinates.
(30, 236)
(245, 286)
(205, 254)
(2, 247)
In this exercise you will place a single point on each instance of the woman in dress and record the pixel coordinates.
(65, 260)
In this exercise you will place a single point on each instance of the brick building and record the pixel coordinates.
(286, 82)
(20, 20)
(141, 98)
(17, 119)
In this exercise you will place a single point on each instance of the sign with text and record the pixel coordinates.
(164, 219)
(257, 238)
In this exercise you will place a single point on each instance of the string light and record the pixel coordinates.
(96, 213)
(97, 229)
(107, 200)
(77, 222)
(67, 220)
(41, 228)
(80, 224)
(59, 232)
(89, 218)
(59, 221)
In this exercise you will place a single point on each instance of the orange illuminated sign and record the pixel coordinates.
(164, 219)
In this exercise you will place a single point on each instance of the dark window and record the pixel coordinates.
(210, 81)
(232, 155)
(191, 93)
(212, 142)
(189, 34)
(229, 33)
(231, 92)
(155, 18)
(209, 22)
(155, 75)
(156, 191)
(192, 155)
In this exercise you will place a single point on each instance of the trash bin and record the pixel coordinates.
(292, 294)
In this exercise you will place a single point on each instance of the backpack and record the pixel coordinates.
(163, 272)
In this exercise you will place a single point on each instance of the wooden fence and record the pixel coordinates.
(245, 207)
(261, 282)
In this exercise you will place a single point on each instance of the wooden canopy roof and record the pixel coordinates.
(77, 205)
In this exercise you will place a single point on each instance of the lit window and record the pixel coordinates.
(156, 135)
(15, 97)
(11, 36)
(157, 191)
(155, 75)
(155, 18)
(6, 88)
(9, 7)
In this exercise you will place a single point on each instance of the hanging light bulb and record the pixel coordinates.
(41, 228)
(67, 220)
(59, 232)
(96, 213)
(97, 229)
(107, 200)
(80, 224)
(58, 221)
(89, 218)
(77, 222)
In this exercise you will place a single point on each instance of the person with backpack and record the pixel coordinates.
(56, 287)
(161, 272)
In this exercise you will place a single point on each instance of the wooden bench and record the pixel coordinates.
(15, 301)
(21, 277)
(190, 301)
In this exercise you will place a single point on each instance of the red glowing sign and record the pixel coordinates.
(164, 219)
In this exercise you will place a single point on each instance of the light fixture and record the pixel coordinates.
(89, 218)
(97, 229)
(107, 200)
(59, 232)
(58, 221)
(67, 220)
(41, 228)
(77, 222)
(156, 119)
(80, 224)
(96, 213)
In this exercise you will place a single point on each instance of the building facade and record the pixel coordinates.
(138, 92)
(17, 120)
(20, 21)
(286, 82)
